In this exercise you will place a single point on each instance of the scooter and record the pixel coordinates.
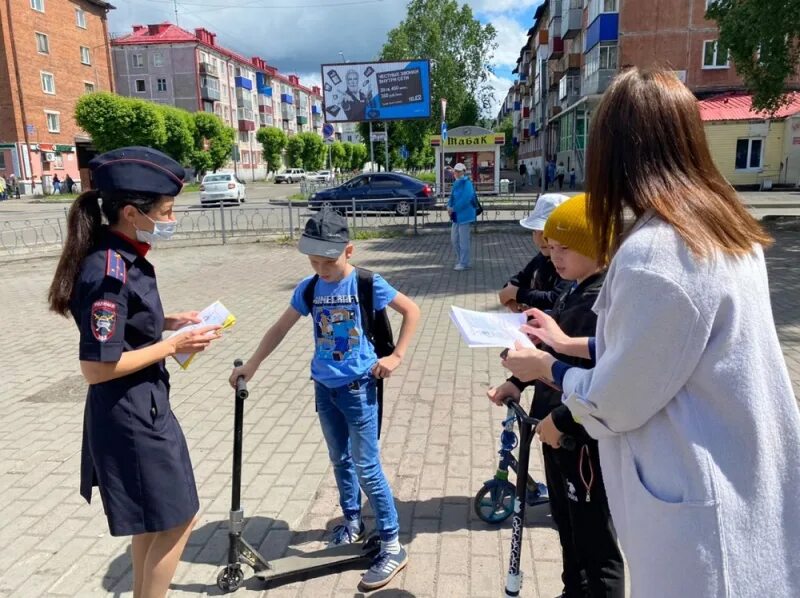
(241, 552)
(527, 425)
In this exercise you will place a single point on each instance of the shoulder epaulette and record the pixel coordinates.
(115, 266)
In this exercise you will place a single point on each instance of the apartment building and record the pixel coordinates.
(576, 47)
(51, 53)
(190, 70)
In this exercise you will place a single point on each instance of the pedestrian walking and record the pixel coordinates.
(133, 447)
(69, 184)
(523, 172)
(560, 174)
(56, 184)
(462, 209)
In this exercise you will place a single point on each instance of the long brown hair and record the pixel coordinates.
(84, 230)
(647, 150)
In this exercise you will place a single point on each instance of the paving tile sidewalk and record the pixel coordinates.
(439, 443)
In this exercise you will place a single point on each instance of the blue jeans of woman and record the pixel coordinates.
(459, 235)
(349, 419)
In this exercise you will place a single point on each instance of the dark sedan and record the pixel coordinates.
(380, 191)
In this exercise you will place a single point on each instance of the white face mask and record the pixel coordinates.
(162, 231)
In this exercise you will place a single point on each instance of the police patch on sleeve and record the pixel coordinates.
(104, 319)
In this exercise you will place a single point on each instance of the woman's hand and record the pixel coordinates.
(386, 365)
(548, 433)
(194, 341)
(545, 329)
(181, 319)
(247, 370)
(505, 390)
(528, 363)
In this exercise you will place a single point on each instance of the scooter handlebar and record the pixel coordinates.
(567, 441)
(241, 385)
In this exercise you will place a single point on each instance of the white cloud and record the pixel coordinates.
(511, 36)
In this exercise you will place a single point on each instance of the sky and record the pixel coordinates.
(298, 35)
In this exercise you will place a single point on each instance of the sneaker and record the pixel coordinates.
(343, 535)
(537, 494)
(459, 268)
(383, 569)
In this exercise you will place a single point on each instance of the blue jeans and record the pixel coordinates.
(459, 235)
(349, 419)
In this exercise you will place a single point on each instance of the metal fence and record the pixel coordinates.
(226, 224)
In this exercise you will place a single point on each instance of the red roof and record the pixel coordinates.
(167, 33)
(738, 106)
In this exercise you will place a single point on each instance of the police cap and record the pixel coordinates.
(137, 169)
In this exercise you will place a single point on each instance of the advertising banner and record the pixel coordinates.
(364, 91)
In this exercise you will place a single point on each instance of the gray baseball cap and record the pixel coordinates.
(325, 235)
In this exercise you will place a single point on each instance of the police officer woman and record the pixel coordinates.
(133, 447)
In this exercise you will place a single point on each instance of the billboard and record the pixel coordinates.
(363, 91)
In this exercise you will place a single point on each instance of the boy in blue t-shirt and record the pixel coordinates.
(344, 369)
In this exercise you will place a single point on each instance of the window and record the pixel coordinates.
(85, 56)
(48, 83)
(748, 153)
(597, 7)
(37, 5)
(2, 161)
(162, 84)
(58, 164)
(245, 157)
(140, 86)
(53, 121)
(601, 58)
(42, 43)
(158, 59)
(137, 60)
(80, 18)
(713, 56)
(88, 87)
(244, 137)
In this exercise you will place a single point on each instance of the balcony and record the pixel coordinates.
(605, 28)
(265, 120)
(555, 48)
(571, 18)
(569, 90)
(206, 68)
(287, 98)
(246, 119)
(555, 9)
(243, 83)
(243, 98)
(597, 82)
(209, 88)
(302, 120)
(517, 105)
(543, 37)
(316, 110)
(526, 112)
(265, 108)
(288, 112)
(569, 62)
(264, 91)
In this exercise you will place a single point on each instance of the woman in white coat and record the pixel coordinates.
(690, 397)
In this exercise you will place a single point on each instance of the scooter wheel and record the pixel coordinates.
(494, 502)
(230, 578)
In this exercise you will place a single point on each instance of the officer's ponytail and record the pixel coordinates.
(84, 226)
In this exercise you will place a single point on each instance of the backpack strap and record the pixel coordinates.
(366, 300)
(308, 293)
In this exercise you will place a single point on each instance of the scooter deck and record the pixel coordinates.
(320, 559)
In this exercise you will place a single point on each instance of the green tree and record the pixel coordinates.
(180, 129)
(294, 151)
(358, 156)
(347, 161)
(314, 151)
(507, 126)
(273, 141)
(113, 121)
(338, 154)
(763, 37)
(461, 49)
(211, 132)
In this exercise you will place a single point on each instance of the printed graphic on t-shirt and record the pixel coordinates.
(337, 334)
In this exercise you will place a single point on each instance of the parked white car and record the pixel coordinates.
(321, 176)
(222, 187)
(292, 175)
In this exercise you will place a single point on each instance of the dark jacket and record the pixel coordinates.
(573, 312)
(539, 284)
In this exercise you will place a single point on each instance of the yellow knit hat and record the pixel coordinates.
(569, 226)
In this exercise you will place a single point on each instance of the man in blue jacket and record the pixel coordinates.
(461, 207)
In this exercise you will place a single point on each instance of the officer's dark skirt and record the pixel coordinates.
(135, 451)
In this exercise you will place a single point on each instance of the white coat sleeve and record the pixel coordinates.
(654, 337)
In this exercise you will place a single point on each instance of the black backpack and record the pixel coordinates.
(377, 327)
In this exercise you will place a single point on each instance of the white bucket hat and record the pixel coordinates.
(542, 210)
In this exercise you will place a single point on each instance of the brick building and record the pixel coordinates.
(576, 47)
(51, 53)
(167, 64)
